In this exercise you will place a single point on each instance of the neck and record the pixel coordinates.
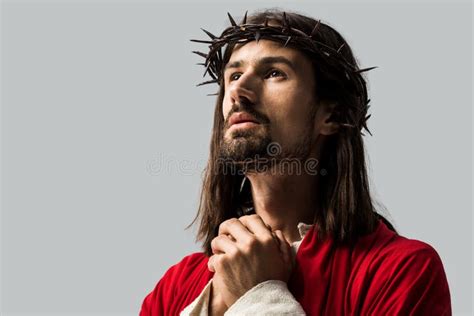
(284, 200)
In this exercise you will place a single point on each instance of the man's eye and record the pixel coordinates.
(234, 76)
(275, 73)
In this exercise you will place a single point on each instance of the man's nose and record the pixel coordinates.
(244, 90)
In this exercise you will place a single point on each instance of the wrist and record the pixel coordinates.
(217, 305)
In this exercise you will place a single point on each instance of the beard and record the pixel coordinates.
(242, 145)
(254, 150)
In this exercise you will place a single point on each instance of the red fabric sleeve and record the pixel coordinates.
(178, 287)
(408, 281)
(155, 302)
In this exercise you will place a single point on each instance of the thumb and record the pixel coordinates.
(285, 247)
(210, 264)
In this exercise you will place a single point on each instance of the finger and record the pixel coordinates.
(210, 264)
(235, 229)
(256, 225)
(222, 244)
(291, 253)
(285, 247)
(276, 239)
(230, 237)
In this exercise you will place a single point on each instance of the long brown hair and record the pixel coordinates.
(346, 208)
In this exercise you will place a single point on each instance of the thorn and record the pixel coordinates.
(299, 32)
(211, 74)
(206, 82)
(313, 32)
(266, 22)
(206, 70)
(364, 70)
(287, 41)
(200, 54)
(202, 41)
(232, 21)
(244, 20)
(219, 55)
(211, 94)
(340, 47)
(209, 33)
(285, 20)
(257, 35)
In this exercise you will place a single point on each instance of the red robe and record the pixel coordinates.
(383, 274)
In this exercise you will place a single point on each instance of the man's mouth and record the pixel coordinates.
(242, 119)
(243, 124)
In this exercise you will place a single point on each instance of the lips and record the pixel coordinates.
(241, 117)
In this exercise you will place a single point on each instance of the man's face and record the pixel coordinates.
(275, 86)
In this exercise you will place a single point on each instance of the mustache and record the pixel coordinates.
(249, 109)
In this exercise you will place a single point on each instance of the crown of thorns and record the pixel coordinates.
(245, 32)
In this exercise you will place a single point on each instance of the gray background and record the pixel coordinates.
(104, 137)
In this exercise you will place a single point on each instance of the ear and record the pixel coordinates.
(324, 122)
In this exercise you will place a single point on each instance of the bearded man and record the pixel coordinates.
(287, 222)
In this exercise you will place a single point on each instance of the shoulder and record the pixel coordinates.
(181, 283)
(396, 251)
(189, 264)
(383, 247)
(191, 268)
(403, 276)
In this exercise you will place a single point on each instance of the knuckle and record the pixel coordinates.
(250, 243)
(217, 263)
(225, 224)
(211, 258)
(222, 262)
(254, 216)
(244, 218)
(233, 253)
(250, 217)
(232, 220)
(267, 240)
(214, 243)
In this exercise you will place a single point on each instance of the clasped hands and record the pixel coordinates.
(246, 252)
